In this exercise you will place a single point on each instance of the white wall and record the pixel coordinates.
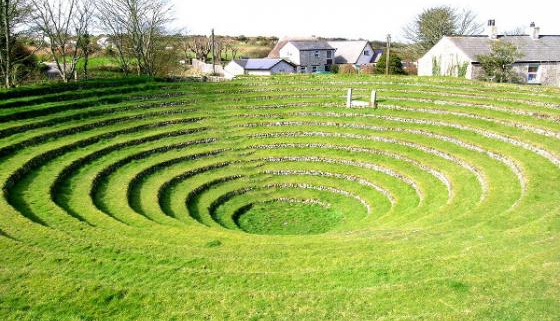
(207, 68)
(259, 72)
(449, 57)
(233, 69)
(291, 53)
(363, 59)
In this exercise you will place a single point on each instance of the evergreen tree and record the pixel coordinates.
(395, 65)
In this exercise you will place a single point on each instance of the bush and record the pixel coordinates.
(26, 67)
(368, 69)
(347, 69)
(395, 65)
(498, 65)
(258, 52)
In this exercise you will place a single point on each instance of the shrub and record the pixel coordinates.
(498, 65)
(395, 65)
(368, 69)
(347, 69)
(436, 68)
(462, 70)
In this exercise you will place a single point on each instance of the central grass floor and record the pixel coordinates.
(266, 198)
(285, 218)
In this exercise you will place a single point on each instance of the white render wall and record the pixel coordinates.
(449, 58)
(233, 69)
(258, 72)
(290, 52)
(363, 59)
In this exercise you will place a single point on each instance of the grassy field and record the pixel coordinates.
(268, 199)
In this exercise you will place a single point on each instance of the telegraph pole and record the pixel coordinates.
(387, 58)
(213, 53)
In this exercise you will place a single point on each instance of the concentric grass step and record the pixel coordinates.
(133, 199)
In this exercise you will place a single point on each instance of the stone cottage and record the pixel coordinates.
(457, 56)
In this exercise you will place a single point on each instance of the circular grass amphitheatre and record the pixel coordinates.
(268, 199)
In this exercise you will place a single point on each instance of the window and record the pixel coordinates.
(533, 74)
(329, 61)
(316, 53)
(329, 54)
(302, 69)
(314, 69)
(366, 53)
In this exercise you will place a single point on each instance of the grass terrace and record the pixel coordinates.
(268, 199)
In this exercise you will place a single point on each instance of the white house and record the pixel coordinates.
(104, 42)
(358, 53)
(309, 56)
(312, 54)
(457, 56)
(261, 67)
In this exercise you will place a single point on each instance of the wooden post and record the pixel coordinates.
(373, 102)
(349, 98)
(213, 53)
(388, 56)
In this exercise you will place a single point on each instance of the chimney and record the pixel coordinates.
(492, 30)
(534, 31)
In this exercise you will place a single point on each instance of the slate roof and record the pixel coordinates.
(275, 52)
(348, 52)
(546, 48)
(311, 45)
(259, 64)
(377, 53)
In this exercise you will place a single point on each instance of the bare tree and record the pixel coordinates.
(64, 23)
(13, 14)
(113, 19)
(517, 31)
(201, 46)
(219, 49)
(434, 23)
(137, 28)
(233, 48)
(84, 43)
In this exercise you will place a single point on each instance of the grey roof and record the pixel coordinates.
(259, 64)
(377, 53)
(275, 52)
(311, 45)
(348, 52)
(546, 48)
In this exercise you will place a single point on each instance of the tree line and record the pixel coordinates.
(64, 28)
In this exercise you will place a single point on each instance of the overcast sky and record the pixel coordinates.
(367, 19)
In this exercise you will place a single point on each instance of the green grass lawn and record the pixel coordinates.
(268, 199)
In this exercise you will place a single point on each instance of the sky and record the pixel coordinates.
(351, 19)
